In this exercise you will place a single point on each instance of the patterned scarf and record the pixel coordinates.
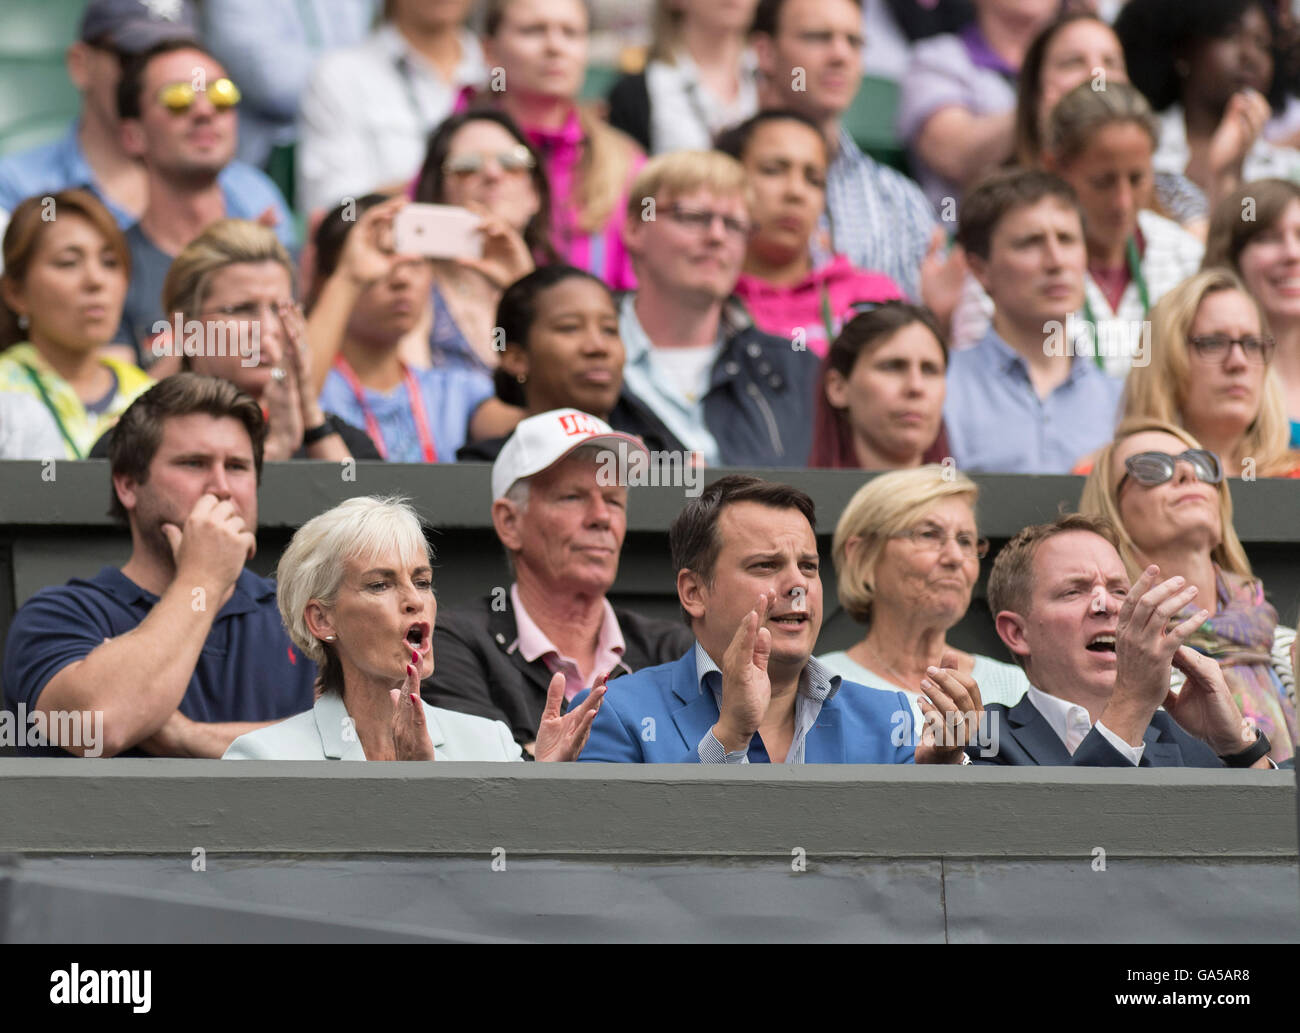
(1240, 637)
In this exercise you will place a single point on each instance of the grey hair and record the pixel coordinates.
(311, 568)
(518, 493)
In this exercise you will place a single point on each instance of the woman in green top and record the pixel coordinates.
(907, 555)
(66, 267)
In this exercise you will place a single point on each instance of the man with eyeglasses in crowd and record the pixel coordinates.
(177, 108)
(91, 153)
(736, 395)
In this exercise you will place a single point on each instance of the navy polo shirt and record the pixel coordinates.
(248, 669)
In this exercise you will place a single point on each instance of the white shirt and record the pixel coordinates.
(27, 430)
(685, 114)
(367, 113)
(1072, 724)
(666, 381)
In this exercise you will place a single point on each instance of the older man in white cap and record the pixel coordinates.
(561, 517)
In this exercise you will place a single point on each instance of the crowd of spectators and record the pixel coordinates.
(1085, 258)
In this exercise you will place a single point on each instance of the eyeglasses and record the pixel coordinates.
(1216, 347)
(517, 159)
(701, 220)
(929, 538)
(1152, 468)
(179, 97)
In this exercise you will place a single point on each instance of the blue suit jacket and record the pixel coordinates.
(1025, 737)
(659, 715)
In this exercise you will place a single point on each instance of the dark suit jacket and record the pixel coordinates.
(1025, 737)
(478, 670)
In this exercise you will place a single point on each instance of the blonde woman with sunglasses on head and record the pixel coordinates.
(1167, 496)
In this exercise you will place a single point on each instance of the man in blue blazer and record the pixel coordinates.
(1099, 654)
(749, 691)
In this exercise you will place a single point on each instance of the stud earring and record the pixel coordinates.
(23, 322)
(330, 638)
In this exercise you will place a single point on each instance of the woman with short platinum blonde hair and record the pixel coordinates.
(355, 591)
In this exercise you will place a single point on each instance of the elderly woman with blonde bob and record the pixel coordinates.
(907, 555)
(1169, 501)
(1211, 373)
(355, 590)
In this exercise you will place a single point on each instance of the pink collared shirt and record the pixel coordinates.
(532, 643)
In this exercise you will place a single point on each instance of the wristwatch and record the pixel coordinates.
(1259, 748)
(314, 434)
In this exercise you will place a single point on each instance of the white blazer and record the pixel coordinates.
(326, 732)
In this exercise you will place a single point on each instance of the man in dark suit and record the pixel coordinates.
(1099, 654)
(560, 510)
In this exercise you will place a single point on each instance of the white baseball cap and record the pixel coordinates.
(543, 440)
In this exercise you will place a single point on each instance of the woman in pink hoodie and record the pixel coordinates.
(536, 53)
(786, 292)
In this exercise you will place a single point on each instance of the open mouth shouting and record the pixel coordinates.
(417, 636)
(1102, 642)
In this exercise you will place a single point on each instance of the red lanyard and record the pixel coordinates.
(417, 410)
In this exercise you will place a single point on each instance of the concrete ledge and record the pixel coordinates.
(662, 812)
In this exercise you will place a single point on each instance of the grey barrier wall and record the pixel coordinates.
(53, 526)
(140, 850)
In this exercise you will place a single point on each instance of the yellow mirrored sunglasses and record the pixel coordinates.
(179, 97)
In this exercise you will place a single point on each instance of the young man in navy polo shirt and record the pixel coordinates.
(182, 649)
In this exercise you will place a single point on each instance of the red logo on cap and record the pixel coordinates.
(574, 424)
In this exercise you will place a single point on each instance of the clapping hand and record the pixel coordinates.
(410, 732)
(562, 737)
(746, 685)
(952, 708)
(1205, 706)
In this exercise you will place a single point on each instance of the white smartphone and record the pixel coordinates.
(437, 231)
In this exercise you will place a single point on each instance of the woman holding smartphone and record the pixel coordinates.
(367, 298)
(480, 161)
(539, 49)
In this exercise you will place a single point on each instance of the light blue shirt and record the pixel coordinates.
(997, 423)
(246, 191)
(816, 686)
(450, 395)
(645, 379)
